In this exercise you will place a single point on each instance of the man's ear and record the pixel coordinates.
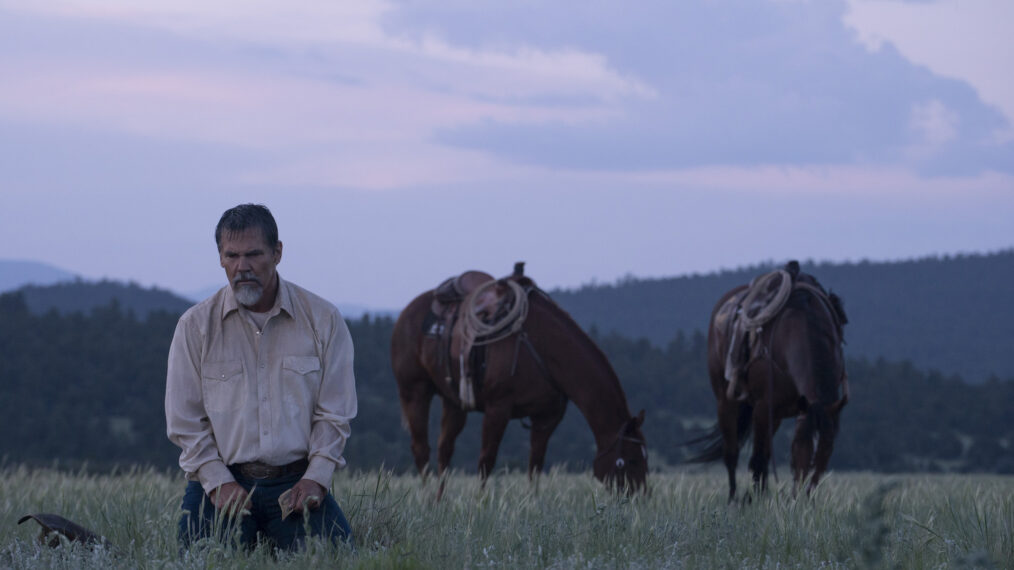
(278, 252)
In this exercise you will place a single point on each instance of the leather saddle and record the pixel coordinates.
(456, 347)
(744, 314)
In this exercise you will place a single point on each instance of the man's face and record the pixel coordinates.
(249, 264)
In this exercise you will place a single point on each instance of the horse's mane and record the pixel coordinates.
(562, 317)
(837, 305)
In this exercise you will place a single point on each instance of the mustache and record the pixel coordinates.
(245, 276)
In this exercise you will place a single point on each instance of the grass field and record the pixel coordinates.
(854, 520)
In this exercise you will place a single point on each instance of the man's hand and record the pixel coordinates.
(306, 492)
(230, 498)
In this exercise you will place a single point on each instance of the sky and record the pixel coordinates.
(400, 142)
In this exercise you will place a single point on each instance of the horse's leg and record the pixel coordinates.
(802, 450)
(542, 427)
(728, 420)
(416, 394)
(764, 427)
(452, 421)
(825, 445)
(494, 424)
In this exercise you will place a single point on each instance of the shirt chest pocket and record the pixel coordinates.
(300, 383)
(222, 383)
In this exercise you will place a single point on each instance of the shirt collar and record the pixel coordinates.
(283, 300)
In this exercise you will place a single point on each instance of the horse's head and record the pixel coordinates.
(624, 463)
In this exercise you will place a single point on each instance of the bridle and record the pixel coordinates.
(618, 440)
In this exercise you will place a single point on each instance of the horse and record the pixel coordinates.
(794, 368)
(530, 372)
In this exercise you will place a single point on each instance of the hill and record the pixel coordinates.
(944, 313)
(83, 296)
(89, 388)
(18, 273)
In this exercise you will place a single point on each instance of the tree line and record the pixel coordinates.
(87, 388)
(947, 313)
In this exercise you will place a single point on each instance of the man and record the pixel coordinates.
(259, 395)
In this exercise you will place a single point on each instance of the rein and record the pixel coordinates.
(522, 338)
(620, 437)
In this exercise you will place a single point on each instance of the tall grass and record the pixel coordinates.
(565, 521)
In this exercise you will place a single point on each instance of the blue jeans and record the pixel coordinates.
(264, 522)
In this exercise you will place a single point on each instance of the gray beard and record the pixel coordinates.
(248, 295)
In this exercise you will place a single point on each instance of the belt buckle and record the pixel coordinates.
(259, 471)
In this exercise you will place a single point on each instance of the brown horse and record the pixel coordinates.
(795, 368)
(530, 373)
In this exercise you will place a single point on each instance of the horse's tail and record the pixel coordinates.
(821, 420)
(825, 417)
(713, 446)
(838, 405)
(828, 372)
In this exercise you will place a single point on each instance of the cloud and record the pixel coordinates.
(300, 22)
(312, 81)
(934, 123)
(767, 83)
(373, 94)
(962, 39)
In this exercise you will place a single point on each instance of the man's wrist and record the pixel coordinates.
(320, 471)
(213, 475)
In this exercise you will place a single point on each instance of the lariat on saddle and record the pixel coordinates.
(486, 319)
(751, 309)
(508, 317)
(746, 314)
(470, 311)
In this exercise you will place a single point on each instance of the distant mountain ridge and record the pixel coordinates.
(348, 310)
(15, 273)
(36, 278)
(83, 296)
(949, 313)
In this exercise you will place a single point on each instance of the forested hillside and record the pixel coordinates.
(79, 295)
(89, 387)
(945, 313)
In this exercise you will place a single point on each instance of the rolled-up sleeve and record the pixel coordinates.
(187, 423)
(336, 403)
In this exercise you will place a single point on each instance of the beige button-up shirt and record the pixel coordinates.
(236, 394)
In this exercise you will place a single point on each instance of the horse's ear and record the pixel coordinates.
(792, 268)
(637, 420)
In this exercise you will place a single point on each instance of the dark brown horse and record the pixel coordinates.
(531, 373)
(795, 368)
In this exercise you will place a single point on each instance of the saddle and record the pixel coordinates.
(447, 296)
(467, 312)
(744, 315)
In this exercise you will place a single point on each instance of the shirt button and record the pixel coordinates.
(262, 365)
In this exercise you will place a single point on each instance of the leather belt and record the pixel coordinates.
(258, 470)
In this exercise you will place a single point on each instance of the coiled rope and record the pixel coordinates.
(759, 289)
(481, 332)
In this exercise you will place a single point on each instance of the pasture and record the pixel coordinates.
(568, 520)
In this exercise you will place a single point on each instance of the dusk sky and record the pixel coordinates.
(400, 142)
